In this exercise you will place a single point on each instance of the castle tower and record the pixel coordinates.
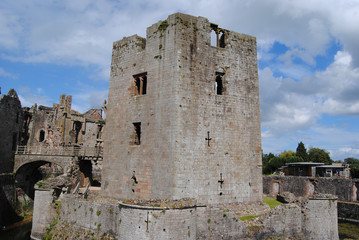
(183, 116)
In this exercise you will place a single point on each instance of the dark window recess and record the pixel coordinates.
(219, 83)
(77, 127)
(42, 136)
(141, 83)
(14, 142)
(137, 133)
(217, 36)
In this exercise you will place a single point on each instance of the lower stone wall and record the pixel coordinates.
(7, 200)
(125, 221)
(96, 216)
(140, 222)
(44, 213)
(348, 211)
(345, 189)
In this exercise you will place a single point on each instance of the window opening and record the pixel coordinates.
(77, 127)
(141, 83)
(137, 136)
(14, 142)
(219, 83)
(217, 36)
(42, 136)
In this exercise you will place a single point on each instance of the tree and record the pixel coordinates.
(352, 161)
(265, 163)
(354, 166)
(319, 155)
(287, 154)
(302, 152)
(275, 163)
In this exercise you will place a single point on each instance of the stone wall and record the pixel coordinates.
(59, 125)
(348, 211)
(345, 189)
(140, 222)
(7, 200)
(314, 219)
(11, 118)
(44, 213)
(99, 216)
(195, 142)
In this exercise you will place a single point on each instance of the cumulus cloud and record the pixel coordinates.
(82, 32)
(294, 95)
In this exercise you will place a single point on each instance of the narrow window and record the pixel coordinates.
(77, 127)
(141, 83)
(137, 133)
(217, 37)
(219, 83)
(42, 136)
(14, 142)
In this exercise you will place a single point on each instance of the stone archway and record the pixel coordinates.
(28, 174)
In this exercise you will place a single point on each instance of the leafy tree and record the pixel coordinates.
(265, 162)
(354, 166)
(275, 163)
(287, 154)
(293, 159)
(302, 152)
(319, 155)
(352, 161)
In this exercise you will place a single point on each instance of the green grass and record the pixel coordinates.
(248, 218)
(272, 203)
(348, 230)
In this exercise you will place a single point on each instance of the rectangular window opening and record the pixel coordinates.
(137, 133)
(140, 81)
(217, 36)
(219, 88)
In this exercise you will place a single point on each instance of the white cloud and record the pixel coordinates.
(288, 105)
(6, 74)
(28, 100)
(87, 100)
(82, 32)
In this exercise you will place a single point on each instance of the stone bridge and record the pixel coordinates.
(62, 156)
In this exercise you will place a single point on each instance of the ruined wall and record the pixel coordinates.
(59, 125)
(44, 213)
(11, 118)
(314, 219)
(7, 200)
(345, 189)
(180, 109)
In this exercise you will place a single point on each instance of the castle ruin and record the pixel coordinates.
(182, 146)
(183, 116)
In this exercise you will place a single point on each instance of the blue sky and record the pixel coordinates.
(308, 58)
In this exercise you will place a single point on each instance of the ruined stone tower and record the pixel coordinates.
(183, 116)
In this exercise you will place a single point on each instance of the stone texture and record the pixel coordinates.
(44, 213)
(11, 117)
(11, 126)
(178, 110)
(345, 189)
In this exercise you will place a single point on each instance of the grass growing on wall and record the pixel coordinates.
(272, 203)
(248, 218)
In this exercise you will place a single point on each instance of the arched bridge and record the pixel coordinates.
(62, 156)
